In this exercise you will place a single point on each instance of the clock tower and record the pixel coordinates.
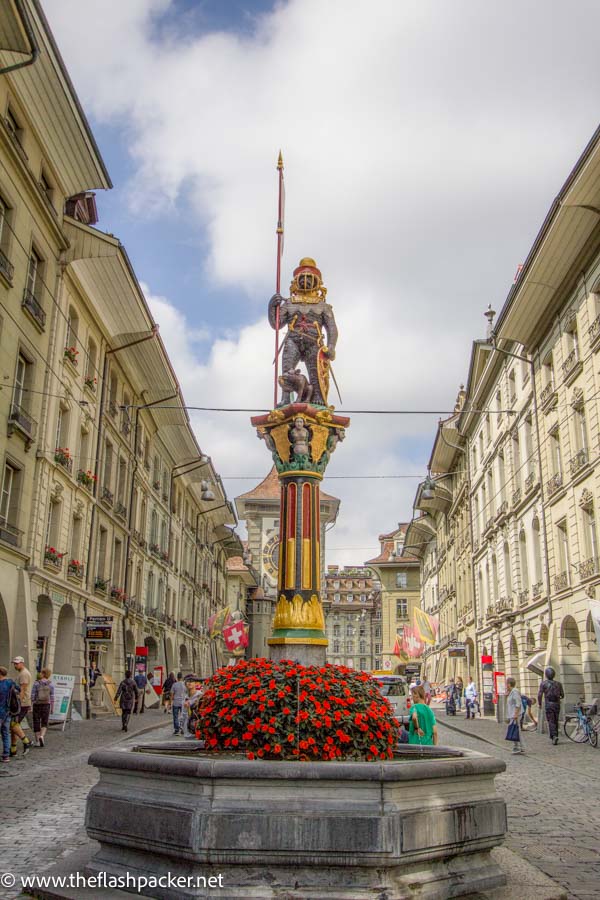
(260, 509)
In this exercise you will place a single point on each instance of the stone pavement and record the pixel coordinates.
(551, 794)
(42, 795)
(552, 799)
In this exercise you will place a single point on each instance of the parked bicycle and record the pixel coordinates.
(583, 726)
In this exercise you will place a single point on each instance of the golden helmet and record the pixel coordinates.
(307, 276)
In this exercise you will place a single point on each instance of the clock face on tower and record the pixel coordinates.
(270, 557)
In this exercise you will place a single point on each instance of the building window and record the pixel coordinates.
(401, 580)
(555, 452)
(336, 646)
(9, 503)
(402, 609)
(336, 598)
(562, 540)
(377, 631)
(590, 534)
(377, 649)
(363, 663)
(363, 598)
(350, 598)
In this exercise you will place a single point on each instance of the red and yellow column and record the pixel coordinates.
(301, 439)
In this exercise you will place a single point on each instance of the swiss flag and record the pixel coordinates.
(235, 636)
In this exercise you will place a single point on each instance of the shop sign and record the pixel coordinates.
(457, 650)
(99, 628)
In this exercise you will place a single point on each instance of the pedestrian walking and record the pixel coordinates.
(470, 698)
(451, 698)
(9, 691)
(551, 692)
(422, 727)
(23, 679)
(460, 689)
(178, 696)
(42, 700)
(513, 713)
(140, 701)
(127, 694)
(166, 691)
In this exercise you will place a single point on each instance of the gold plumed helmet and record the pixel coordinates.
(307, 276)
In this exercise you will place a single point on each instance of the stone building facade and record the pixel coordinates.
(529, 434)
(399, 582)
(352, 607)
(108, 508)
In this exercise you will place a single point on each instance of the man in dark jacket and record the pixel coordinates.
(552, 693)
(141, 682)
(127, 694)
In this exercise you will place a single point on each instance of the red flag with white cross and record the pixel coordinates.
(235, 636)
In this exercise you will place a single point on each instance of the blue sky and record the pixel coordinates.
(423, 144)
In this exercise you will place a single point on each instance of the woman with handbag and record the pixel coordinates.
(514, 707)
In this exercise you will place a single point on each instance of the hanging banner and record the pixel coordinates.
(217, 622)
(63, 692)
(411, 642)
(426, 626)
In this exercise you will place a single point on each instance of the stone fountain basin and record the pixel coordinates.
(421, 825)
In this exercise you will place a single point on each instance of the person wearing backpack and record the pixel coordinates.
(551, 691)
(127, 694)
(42, 699)
(24, 683)
(9, 704)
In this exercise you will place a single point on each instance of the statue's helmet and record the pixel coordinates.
(307, 276)
(549, 673)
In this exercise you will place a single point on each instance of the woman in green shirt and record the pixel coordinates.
(422, 728)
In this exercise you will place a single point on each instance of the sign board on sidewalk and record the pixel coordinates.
(99, 628)
(63, 692)
(500, 683)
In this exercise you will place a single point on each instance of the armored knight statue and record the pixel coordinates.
(312, 333)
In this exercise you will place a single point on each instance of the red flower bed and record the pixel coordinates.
(284, 710)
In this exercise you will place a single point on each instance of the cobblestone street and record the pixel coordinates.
(43, 794)
(553, 822)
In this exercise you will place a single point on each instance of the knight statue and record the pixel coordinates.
(312, 333)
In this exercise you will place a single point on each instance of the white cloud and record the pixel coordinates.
(423, 144)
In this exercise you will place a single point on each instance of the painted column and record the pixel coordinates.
(301, 438)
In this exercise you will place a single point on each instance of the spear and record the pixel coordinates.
(280, 208)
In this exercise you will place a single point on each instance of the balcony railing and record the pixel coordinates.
(6, 267)
(578, 461)
(10, 535)
(588, 568)
(561, 582)
(572, 365)
(75, 569)
(125, 427)
(113, 409)
(64, 460)
(554, 484)
(34, 309)
(594, 333)
(502, 509)
(100, 584)
(537, 589)
(489, 524)
(107, 496)
(20, 419)
(524, 597)
(120, 510)
(548, 397)
(516, 496)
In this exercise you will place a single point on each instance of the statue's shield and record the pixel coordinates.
(323, 373)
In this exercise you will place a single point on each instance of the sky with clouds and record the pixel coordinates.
(423, 144)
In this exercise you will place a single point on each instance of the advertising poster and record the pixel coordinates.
(63, 692)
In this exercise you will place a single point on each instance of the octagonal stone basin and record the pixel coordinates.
(421, 825)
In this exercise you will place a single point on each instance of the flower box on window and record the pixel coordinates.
(53, 557)
(91, 383)
(71, 354)
(87, 478)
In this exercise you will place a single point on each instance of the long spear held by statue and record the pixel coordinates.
(280, 214)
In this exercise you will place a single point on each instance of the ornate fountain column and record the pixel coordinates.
(301, 438)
